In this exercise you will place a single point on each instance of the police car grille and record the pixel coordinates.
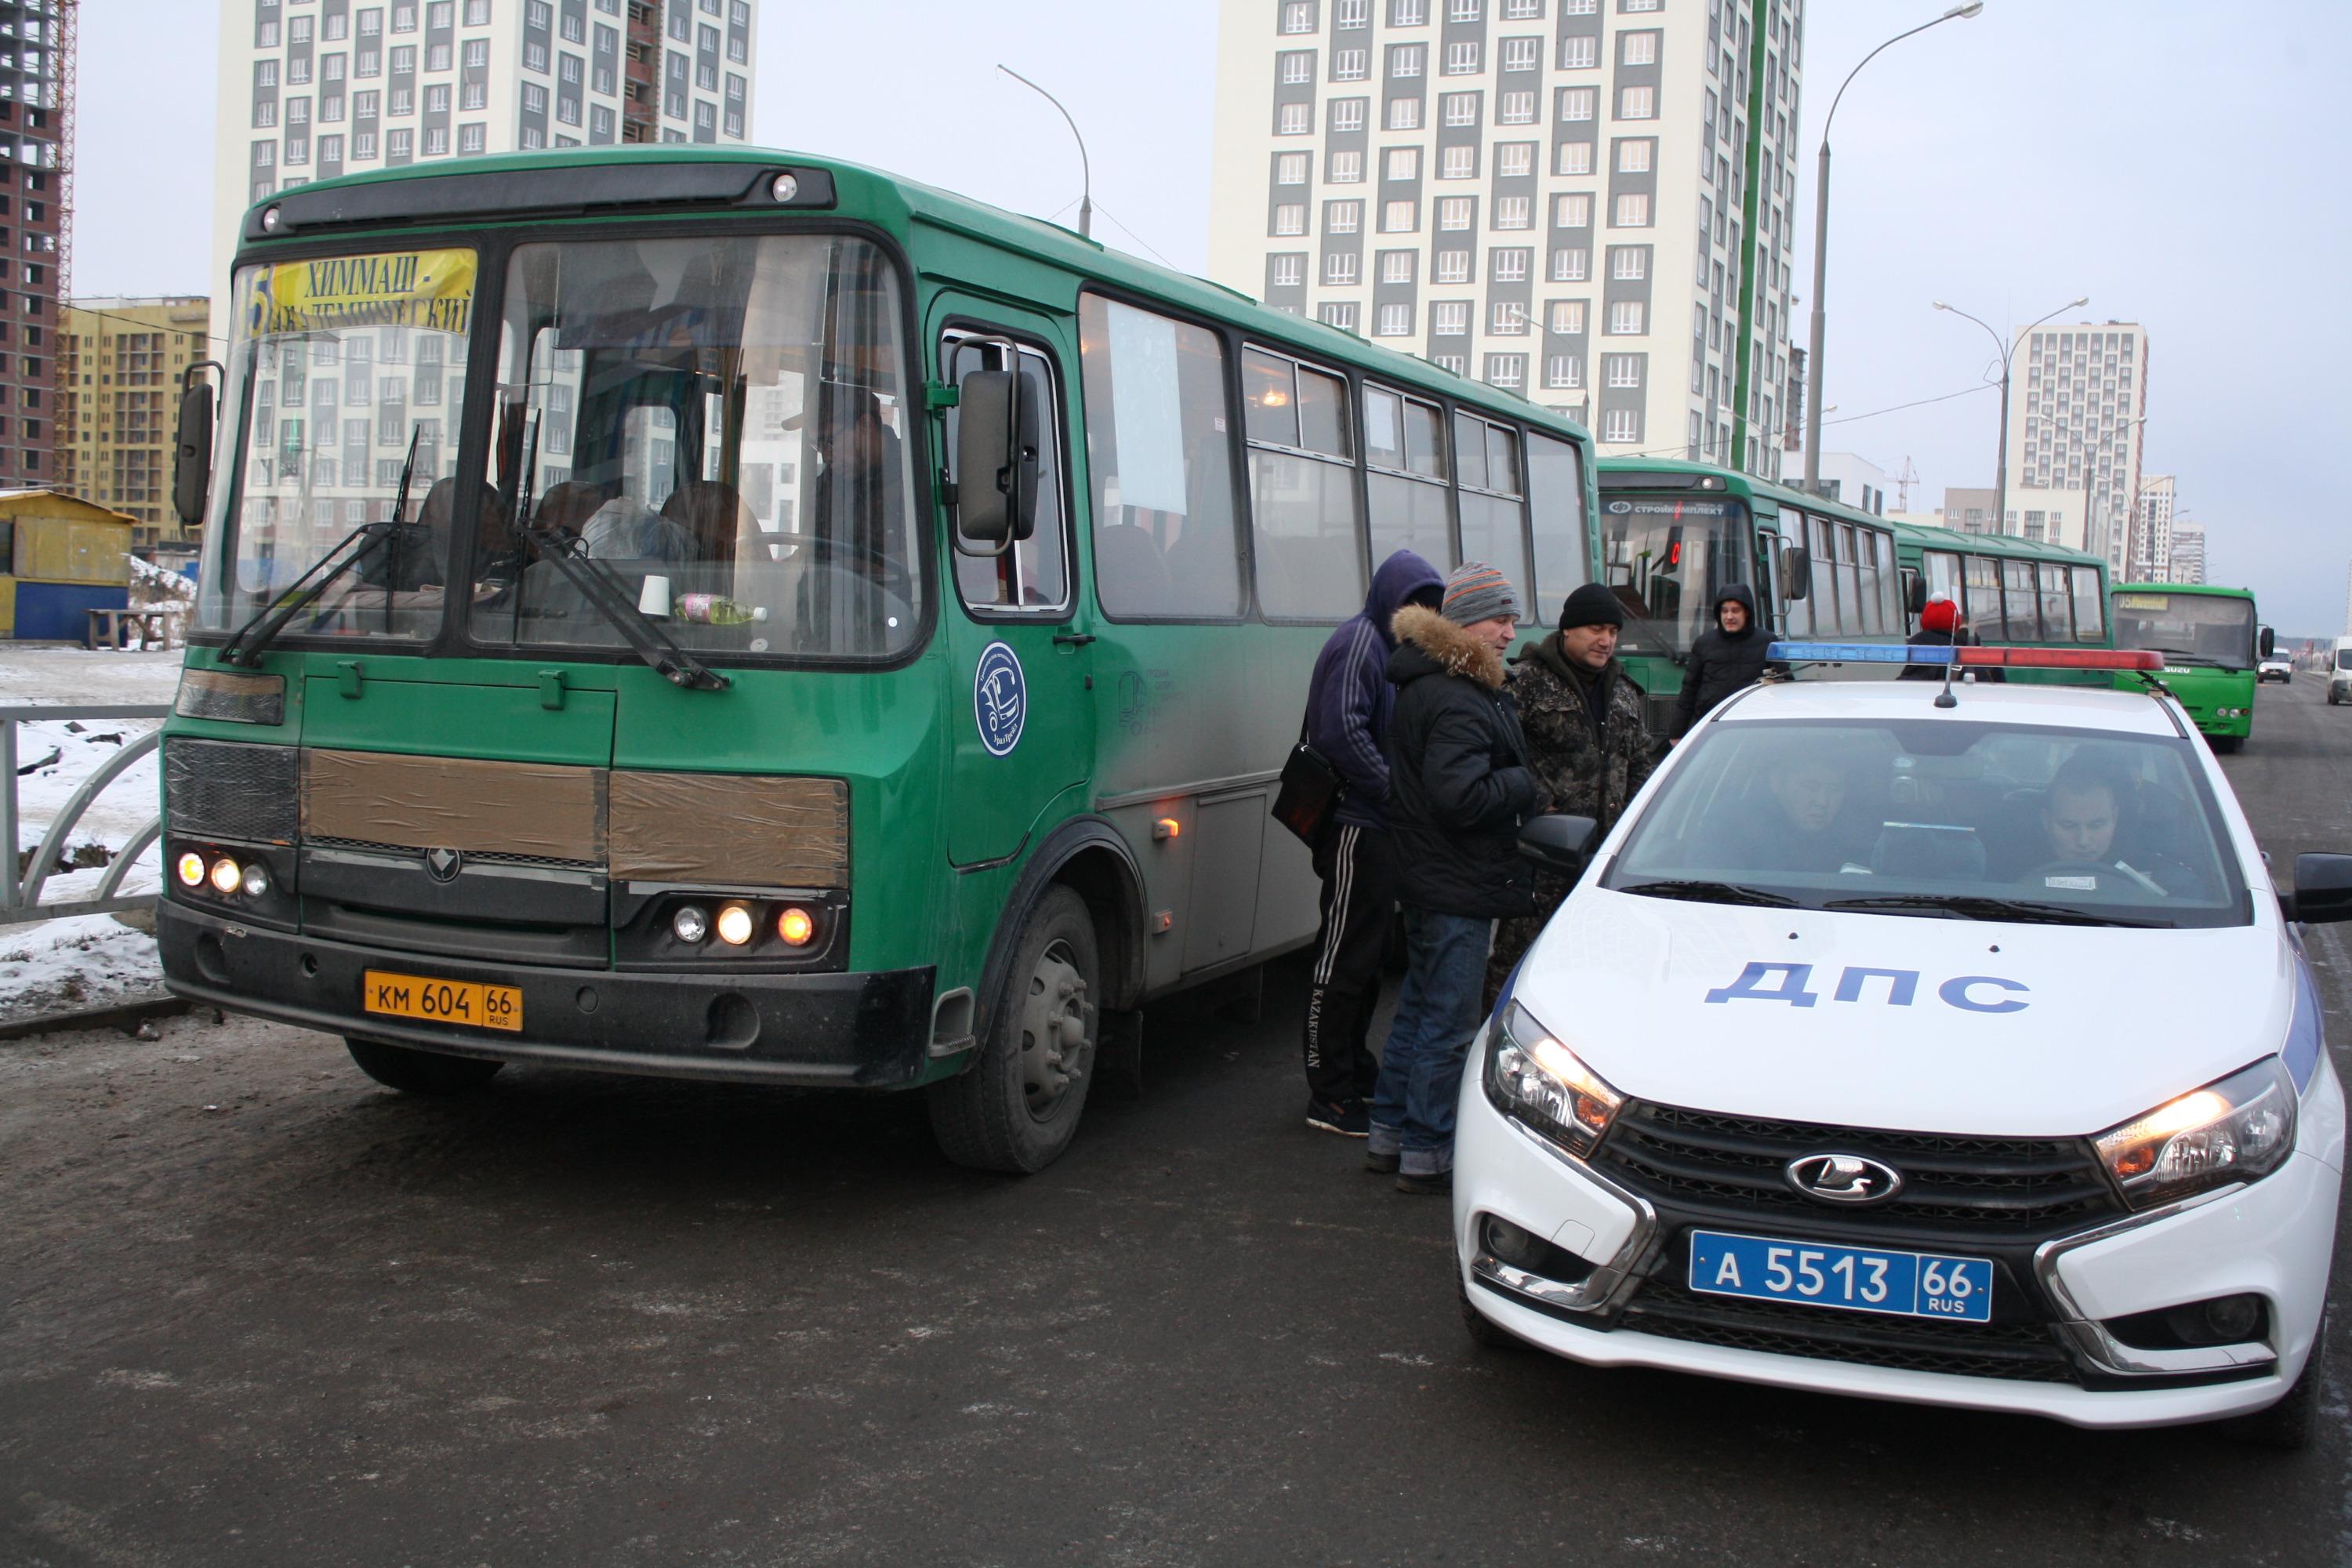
(2023, 1351)
(2004, 1186)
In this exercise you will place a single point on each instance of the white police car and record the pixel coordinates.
(1931, 1044)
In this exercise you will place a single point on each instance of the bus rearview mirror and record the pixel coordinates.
(996, 459)
(2269, 641)
(193, 456)
(1796, 571)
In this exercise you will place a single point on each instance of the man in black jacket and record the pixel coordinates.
(1459, 789)
(1728, 657)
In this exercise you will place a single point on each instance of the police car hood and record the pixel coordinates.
(1920, 1024)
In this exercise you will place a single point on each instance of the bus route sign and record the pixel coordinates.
(432, 289)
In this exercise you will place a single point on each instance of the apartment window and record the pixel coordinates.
(534, 98)
(1346, 169)
(437, 142)
(1407, 13)
(1462, 59)
(403, 19)
(1629, 262)
(1290, 217)
(403, 101)
(1622, 425)
(1405, 59)
(477, 12)
(1576, 104)
(1568, 316)
(1340, 267)
(1349, 14)
(1511, 212)
(1299, 17)
(297, 70)
(1637, 48)
(474, 95)
(1450, 318)
(470, 139)
(404, 60)
(1453, 363)
(478, 54)
(1523, 10)
(436, 99)
(298, 32)
(1453, 267)
(1628, 318)
(1621, 370)
(1637, 103)
(1578, 53)
(1400, 217)
(1348, 65)
(335, 29)
(1515, 109)
(1458, 163)
(1290, 169)
(1404, 114)
(1460, 107)
(1633, 211)
(398, 144)
(1462, 10)
(1289, 270)
(1397, 266)
(1507, 370)
(363, 145)
(1515, 160)
(1343, 217)
(1633, 155)
(1564, 371)
(265, 114)
(1508, 263)
(1394, 321)
(1296, 119)
(330, 151)
(1572, 210)
(1522, 54)
(1574, 158)
(1507, 319)
(1453, 212)
(297, 150)
(1297, 66)
(1404, 163)
(1631, 6)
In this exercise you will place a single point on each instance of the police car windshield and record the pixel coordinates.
(1968, 821)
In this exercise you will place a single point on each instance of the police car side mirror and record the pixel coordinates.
(1559, 841)
(2323, 890)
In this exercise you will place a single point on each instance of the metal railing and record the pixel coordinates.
(20, 901)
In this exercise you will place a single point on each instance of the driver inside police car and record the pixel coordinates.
(2085, 812)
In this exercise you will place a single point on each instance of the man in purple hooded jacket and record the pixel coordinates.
(1348, 700)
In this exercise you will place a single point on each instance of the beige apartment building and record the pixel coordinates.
(1588, 202)
(119, 366)
(2080, 402)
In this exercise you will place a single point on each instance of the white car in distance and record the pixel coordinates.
(1944, 1045)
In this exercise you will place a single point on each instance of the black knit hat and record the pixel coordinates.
(1591, 605)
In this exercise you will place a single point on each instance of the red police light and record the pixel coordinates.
(2061, 657)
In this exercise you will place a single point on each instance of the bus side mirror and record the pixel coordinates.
(996, 459)
(1559, 841)
(2323, 889)
(2269, 641)
(1914, 591)
(193, 459)
(1796, 572)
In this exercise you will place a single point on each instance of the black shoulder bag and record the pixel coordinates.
(1309, 794)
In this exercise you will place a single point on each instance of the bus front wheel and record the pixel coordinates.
(413, 1071)
(1017, 1107)
(2225, 744)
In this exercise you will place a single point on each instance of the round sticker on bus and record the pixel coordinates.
(999, 699)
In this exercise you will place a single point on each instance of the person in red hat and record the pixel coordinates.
(1939, 627)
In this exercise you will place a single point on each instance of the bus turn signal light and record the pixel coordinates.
(192, 869)
(795, 926)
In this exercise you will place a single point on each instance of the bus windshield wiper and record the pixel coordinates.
(1974, 907)
(1711, 893)
(244, 644)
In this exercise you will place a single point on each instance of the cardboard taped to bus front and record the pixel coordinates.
(746, 829)
(455, 803)
(429, 289)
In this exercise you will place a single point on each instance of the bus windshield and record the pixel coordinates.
(2189, 628)
(341, 369)
(720, 425)
(1667, 556)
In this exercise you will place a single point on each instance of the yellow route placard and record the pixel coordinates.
(432, 289)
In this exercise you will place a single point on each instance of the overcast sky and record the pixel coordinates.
(2179, 163)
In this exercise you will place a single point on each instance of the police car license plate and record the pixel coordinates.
(1856, 1278)
(441, 1000)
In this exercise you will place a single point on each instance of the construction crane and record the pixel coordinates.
(1903, 483)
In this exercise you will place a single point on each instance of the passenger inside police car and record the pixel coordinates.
(1803, 809)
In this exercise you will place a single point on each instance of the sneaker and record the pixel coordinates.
(1425, 1183)
(1348, 1118)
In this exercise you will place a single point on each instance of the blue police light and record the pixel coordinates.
(1854, 653)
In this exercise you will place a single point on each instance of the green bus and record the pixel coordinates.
(1674, 534)
(2211, 642)
(723, 613)
(2015, 592)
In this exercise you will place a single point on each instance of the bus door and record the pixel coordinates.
(1017, 639)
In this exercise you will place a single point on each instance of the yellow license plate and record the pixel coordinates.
(442, 1001)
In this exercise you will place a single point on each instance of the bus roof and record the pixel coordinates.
(1626, 473)
(2209, 590)
(1927, 536)
(590, 184)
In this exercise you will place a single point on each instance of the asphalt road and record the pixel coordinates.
(258, 1311)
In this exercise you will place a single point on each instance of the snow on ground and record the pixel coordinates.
(88, 961)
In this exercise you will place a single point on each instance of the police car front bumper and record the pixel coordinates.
(2273, 1238)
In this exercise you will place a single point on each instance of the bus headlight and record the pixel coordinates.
(2238, 1129)
(192, 869)
(226, 877)
(689, 925)
(1532, 1076)
(256, 880)
(735, 925)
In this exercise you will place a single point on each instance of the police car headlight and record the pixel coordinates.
(1534, 1077)
(2233, 1131)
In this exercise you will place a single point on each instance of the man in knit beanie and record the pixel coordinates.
(1459, 789)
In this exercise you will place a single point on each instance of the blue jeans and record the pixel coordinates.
(1436, 1018)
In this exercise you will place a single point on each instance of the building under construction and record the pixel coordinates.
(37, 94)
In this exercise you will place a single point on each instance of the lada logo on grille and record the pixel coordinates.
(444, 864)
(1843, 1179)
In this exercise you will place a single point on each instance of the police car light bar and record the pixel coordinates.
(2062, 658)
(1854, 653)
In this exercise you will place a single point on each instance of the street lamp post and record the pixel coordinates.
(2005, 348)
(1085, 169)
(1821, 252)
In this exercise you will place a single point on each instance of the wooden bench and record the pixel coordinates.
(156, 627)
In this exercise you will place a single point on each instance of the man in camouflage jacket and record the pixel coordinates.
(1587, 744)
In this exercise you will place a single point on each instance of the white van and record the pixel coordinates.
(2339, 671)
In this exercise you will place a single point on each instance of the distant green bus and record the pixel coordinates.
(2211, 641)
(722, 614)
(2016, 592)
(1672, 535)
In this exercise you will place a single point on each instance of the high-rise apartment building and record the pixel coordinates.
(2187, 562)
(2080, 397)
(36, 46)
(313, 89)
(1589, 201)
(2149, 557)
(119, 364)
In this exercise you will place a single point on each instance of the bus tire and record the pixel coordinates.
(2225, 744)
(1017, 1107)
(413, 1071)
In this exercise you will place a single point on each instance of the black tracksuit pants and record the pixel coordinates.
(1359, 870)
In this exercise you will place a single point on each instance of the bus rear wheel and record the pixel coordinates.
(413, 1071)
(1016, 1107)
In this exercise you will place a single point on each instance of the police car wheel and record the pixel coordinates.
(413, 1071)
(1487, 1333)
(2294, 1421)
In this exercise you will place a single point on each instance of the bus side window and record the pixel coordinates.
(1487, 458)
(1404, 446)
(1986, 617)
(1828, 618)
(2017, 593)
(2057, 623)
(2090, 606)
(1034, 574)
(1555, 511)
(1159, 464)
(1890, 583)
(1305, 516)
